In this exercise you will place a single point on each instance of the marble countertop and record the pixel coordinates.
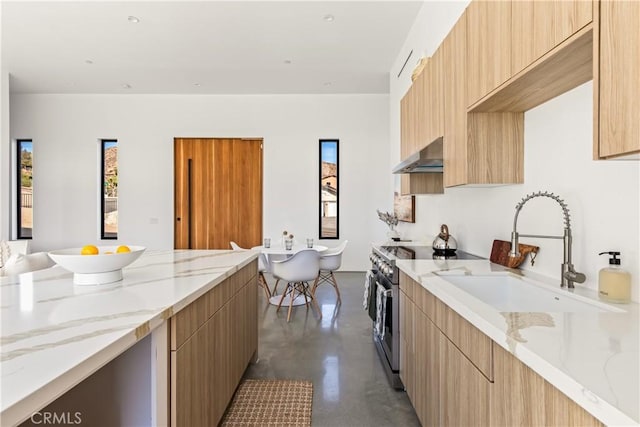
(592, 357)
(53, 330)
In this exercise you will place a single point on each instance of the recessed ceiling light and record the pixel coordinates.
(329, 18)
(197, 84)
(133, 19)
(88, 61)
(287, 61)
(126, 86)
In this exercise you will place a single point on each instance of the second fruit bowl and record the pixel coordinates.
(96, 269)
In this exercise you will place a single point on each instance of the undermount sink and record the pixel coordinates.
(510, 293)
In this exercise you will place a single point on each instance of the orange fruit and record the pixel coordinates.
(123, 249)
(89, 250)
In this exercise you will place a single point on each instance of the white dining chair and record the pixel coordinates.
(297, 271)
(263, 267)
(330, 261)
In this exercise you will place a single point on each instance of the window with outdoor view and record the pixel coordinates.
(109, 179)
(329, 189)
(25, 188)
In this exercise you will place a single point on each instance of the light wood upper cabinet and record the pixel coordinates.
(539, 26)
(617, 85)
(488, 46)
(422, 108)
(406, 129)
(421, 122)
(455, 107)
(479, 148)
(434, 98)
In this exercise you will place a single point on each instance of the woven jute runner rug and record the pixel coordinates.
(270, 403)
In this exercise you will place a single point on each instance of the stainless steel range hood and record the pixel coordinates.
(427, 160)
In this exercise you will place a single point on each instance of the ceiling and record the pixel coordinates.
(203, 47)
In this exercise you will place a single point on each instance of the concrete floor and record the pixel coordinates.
(336, 353)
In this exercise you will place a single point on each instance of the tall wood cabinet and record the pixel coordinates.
(212, 342)
(617, 86)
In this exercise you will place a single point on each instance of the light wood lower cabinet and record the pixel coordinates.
(456, 376)
(212, 342)
(519, 396)
(464, 392)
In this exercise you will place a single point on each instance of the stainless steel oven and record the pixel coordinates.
(383, 310)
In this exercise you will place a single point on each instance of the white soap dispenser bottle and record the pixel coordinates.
(614, 283)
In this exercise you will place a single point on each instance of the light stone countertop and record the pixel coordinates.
(592, 357)
(53, 330)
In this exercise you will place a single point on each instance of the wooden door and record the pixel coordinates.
(218, 192)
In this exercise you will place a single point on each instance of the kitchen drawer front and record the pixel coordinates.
(424, 300)
(185, 323)
(475, 345)
(407, 285)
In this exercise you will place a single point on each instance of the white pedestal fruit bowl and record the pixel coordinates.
(99, 269)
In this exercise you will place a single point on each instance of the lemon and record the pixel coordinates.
(123, 249)
(89, 250)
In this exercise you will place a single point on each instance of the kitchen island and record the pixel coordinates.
(125, 345)
(562, 368)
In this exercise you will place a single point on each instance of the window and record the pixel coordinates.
(109, 180)
(25, 188)
(329, 189)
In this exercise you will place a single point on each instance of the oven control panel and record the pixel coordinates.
(382, 265)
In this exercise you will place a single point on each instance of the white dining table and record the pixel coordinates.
(279, 249)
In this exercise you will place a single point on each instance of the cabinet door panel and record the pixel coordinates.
(455, 95)
(465, 391)
(207, 367)
(619, 77)
(428, 360)
(539, 26)
(404, 126)
(488, 46)
(519, 396)
(433, 104)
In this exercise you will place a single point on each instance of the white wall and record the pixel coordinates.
(603, 196)
(65, 130)
(5, 155)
